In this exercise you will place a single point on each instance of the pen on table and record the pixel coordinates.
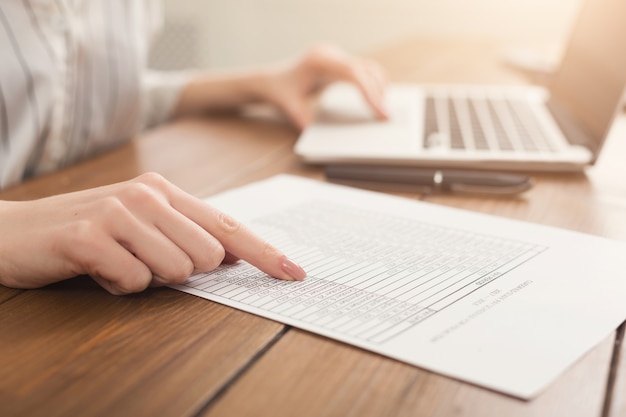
(438, 180)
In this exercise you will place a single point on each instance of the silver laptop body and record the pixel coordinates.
(560, 128)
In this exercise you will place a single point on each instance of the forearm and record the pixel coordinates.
(222, 91)
(15, 242)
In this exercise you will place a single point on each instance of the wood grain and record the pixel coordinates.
(308, 375)
(73, 349)
(7, 293)
(200, 155)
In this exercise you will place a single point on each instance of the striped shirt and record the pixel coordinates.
(73, 81)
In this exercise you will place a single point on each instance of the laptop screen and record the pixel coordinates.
(590, 82)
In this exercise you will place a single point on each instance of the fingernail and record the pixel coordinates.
(293, 270)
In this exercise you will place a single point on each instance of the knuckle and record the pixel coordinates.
(322, 49)
(227, 224)
(151, 178)
(269, 251)
(186, 271)
(176, 270)
(136, 277)
(213, 256)
(148, 188)
(173, 269)
(181, 272)
(140, 192)
(112, 207)
(318, 53)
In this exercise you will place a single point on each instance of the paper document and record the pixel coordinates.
(503, 304)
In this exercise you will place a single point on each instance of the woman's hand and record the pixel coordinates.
(291, 86)
(126, 236)
(288, 86)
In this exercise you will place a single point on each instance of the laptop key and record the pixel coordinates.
(511, 125)
(533, 129)
(480, 140)
(500, 132)
(456, 137)
(431, 127)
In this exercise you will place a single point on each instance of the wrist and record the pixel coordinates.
(257, 85)
(222, 91)
(12, 229)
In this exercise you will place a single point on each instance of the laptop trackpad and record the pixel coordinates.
(346, 127)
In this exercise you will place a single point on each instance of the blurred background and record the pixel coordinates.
(233, 33)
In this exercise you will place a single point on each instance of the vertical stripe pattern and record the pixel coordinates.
(70, 81)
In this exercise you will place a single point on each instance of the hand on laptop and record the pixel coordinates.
(290, 86)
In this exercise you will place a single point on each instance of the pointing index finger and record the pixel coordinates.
(237, 239)
(240, 241)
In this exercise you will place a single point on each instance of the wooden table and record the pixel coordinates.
(71, 349)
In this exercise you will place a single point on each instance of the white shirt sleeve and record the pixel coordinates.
(74, 83)
(160, 93)
(160, 90)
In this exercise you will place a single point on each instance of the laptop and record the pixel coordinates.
(522, 128)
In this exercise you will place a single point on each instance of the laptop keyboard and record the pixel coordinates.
(483, 124)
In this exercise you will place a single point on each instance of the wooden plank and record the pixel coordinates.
(7, 293)
(218, 152)
(73, 349)
(307, 375)
(616, 405)
(192, 153)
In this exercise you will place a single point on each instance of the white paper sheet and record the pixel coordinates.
(503, 304)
